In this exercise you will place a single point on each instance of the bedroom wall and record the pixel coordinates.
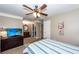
(71, 27)
(7, 22)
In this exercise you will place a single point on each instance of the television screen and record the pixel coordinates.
(14, 32)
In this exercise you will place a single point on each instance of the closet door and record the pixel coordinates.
(37, 30)
(46, 29)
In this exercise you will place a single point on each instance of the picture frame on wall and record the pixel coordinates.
(61, 28)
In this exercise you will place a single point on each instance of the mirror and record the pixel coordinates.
(25, 27)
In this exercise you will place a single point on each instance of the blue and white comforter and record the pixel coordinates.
(48, 46)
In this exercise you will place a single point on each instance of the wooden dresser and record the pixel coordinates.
(11, 42)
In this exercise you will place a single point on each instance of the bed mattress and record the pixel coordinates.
(48, 46)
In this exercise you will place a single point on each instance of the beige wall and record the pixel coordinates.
(71, 27)
(7, 22)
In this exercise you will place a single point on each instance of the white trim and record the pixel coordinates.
(10, 15)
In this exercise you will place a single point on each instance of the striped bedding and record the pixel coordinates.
(48, 46)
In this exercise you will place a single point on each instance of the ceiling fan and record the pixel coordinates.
(37, 11)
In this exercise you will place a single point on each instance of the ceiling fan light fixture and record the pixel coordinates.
(36, 14)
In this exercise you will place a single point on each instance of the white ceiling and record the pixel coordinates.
(51, 10)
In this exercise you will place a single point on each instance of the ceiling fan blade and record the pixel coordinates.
(43, 6)
(28, 7)
(29, 13)
(44, 14)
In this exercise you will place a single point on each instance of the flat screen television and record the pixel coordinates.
(14, 32)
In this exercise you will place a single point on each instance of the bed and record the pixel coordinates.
(48, 46)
